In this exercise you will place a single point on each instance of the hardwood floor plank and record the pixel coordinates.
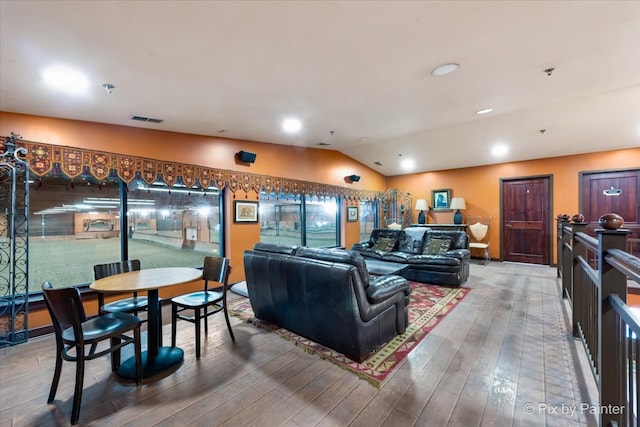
(507, 342)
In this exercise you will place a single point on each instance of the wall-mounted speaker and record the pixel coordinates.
(246, 156)
(354, 178)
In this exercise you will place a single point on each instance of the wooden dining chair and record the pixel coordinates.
(204, 303)
(126, 305)
(74, 332)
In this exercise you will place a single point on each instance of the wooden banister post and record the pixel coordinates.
(577, 277)
(612, 366)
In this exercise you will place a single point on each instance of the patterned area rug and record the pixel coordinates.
(429, 304)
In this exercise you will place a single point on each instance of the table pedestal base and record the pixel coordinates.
(166, 358)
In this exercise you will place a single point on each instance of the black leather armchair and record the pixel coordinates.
(326, 295)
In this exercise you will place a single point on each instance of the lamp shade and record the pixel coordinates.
(458, 203)
(421, 205)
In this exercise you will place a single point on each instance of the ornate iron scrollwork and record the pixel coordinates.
(14, 243)
(396, 208)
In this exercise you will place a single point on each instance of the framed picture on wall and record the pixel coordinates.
(245, 211)
(352, 213)
(441, 199)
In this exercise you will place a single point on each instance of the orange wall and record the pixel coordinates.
(480, 186)
(307, 164)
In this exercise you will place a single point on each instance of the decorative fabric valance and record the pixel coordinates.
(77, 162)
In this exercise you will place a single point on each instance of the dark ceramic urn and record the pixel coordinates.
(578, 218)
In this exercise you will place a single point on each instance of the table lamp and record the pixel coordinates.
(421, 205)
(458, 204)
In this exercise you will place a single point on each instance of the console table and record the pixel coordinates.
(460, 227)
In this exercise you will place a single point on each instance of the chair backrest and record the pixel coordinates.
(65, 307)
(111, 268)
(479, 228)
(215, 269)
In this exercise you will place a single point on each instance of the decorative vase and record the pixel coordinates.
(578, 218)
(421, 218)
(611, 221)
(457, 217)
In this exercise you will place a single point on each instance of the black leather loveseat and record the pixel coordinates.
(438, 257)
(326, 295)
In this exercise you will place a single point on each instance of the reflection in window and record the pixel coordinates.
(172, 227)
(280, 219)
(73, 226)
(321, 222)
(299, 220)
(368, 218)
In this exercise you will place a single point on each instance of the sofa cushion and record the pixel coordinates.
(337, 255)
(385, 244)
(369, 253)
(378, 233)
(275, 248)
(411, 239)
(396, 256)
(459, 239)
(433, 246)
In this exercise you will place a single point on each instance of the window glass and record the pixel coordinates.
(172, 226)
(74, 225)
(368, 218)
(71, 228)
(321, 222)
(280, 219)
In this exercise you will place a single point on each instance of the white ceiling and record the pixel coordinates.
(359, 68)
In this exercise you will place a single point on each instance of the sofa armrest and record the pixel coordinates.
(459, 253)
(385, 286)
(365, 244)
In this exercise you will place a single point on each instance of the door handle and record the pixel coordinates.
(508, 225)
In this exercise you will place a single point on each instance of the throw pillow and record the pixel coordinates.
(437, 246)
(384, 244)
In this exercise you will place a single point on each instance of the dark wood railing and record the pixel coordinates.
(594, 275)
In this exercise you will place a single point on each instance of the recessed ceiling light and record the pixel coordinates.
(485, 111)
(408, 164)
(364, 139)
(291, 125)
(65, 79)
(444, 69)
(499, 150)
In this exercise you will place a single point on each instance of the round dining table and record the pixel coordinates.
(155, 358)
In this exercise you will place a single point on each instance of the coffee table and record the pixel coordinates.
(381, 268)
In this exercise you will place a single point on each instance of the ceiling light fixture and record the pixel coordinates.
(485, 111)
(499, 150)
(65, 79)
(444, 69)
(408, 164)
(291, 125)
(108, 87)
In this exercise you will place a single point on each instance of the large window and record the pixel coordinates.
(321, 222)
(74, 226)
(280, 219)
(300, 220)
(368, 218)
(172, 227)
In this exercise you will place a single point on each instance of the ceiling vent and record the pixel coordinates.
(146, 119)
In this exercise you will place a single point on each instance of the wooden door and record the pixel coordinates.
(613, 191)
(526, 221)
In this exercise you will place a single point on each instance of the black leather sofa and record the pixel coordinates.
(438, 257)
(326, 295)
